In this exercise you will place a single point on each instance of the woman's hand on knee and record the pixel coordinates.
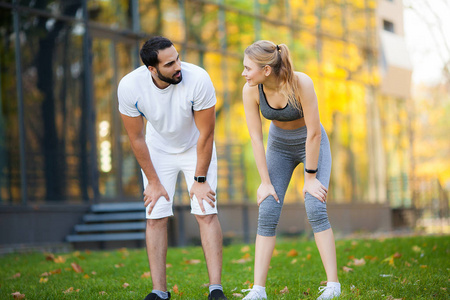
(316, 189)
(265, 190)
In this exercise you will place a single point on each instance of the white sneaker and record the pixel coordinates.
(329, 292)
(253, 295)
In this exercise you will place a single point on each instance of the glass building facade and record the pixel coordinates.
(61, 137)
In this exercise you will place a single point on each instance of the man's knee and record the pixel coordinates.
(153, 224)
(206, 219)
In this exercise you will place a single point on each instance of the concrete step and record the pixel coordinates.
(110, 227)
(106, 237)
(129, 216)
(116, 207)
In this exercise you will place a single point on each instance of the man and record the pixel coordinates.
(178, 101)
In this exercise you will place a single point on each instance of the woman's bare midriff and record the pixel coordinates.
(290, 124)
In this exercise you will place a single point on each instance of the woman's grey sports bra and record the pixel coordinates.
(288, 113)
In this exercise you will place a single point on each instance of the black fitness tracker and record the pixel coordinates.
(311, 171)
(200, 178)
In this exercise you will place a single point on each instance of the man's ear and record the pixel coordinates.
(152, 69)
(267, 70)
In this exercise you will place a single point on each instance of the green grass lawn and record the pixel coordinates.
(393, 268)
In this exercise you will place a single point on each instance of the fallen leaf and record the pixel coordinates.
(354, 243)
(45, 274)
(247, 283)
(285, 290)
(56, 271)
(246, 256)
(306, 293)
(207, 284)
(397, 255)
(184, 251)
(423, 266)
(43, 280)
(192, 261)
(76, 267)
(49, 256)
(323, 282)
(416, 248)
(292, 253)
(125, 285)
(86, 276)
(168, 265)
(245, 249)
(443, 288)
(94, 273)
(175, 289)
(102, 293)
(69, 290)
(407, 264)
(275, 252)
(18, 295)
(390, 260)
(308, 257)
(293, 261)
(347, 269)
(76, 253)
(59, 260)
(17, 275)
(435, 247)
(119, 265)
(146, 275)
(241, 261)
(392, 298)
(359, 262)
(238, 295)
(351, 257)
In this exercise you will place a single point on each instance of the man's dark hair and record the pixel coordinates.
(149, 51)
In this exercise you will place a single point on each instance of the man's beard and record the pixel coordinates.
(168, 79)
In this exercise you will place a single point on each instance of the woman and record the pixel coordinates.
(295, 136)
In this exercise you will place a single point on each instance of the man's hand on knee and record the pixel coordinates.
(202, 191)
(152, 193)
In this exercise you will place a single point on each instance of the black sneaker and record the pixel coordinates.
(217, 295)
(153, 296)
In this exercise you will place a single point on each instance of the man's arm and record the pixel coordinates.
(205, 121)
(135, 129)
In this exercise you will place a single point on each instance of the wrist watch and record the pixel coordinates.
(200, 178)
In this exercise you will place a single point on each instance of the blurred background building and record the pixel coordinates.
(64, 152)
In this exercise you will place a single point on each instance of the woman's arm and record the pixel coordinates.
(254, 125)
(312, 120)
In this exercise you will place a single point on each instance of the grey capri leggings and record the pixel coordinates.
(285, 150)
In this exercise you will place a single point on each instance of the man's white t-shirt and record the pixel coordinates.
(171, 127)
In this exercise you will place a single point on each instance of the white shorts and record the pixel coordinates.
(167, 167)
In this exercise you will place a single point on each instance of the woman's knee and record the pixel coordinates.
(317, 214)
(269, 215)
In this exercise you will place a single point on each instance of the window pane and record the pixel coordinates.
(104, 97)
(9, 125)
(131, 172)
(52, 74)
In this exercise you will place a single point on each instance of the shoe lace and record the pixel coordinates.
(325, 290)
(252, 293)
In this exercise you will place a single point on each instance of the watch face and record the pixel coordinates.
(200, 178)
